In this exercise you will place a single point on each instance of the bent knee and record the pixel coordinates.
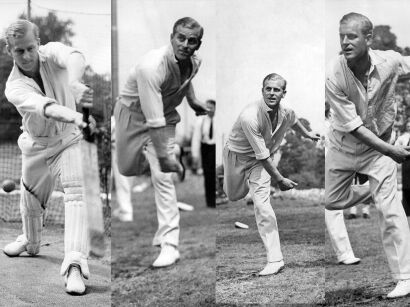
(334, 204)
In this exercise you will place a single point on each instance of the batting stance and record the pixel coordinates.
(45, 85)
(146, 118)
(248, 160)
(360, 87)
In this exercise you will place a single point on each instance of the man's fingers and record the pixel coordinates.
(294, 183)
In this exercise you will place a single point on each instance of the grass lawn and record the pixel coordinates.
(191, 282)
(241, 255)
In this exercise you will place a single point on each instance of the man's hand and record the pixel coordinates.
(169, 165)
(399, 153)
(199, 107)
(82, 93)
(286, 184)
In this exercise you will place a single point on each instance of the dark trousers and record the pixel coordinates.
(208, 165)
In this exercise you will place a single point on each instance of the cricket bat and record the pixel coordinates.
(89, 161)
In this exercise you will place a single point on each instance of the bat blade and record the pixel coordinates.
(92, 198)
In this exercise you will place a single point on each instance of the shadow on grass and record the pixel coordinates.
(350, 297)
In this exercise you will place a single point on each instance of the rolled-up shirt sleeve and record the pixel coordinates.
(149, 80)
(59, 53)
(250, 127)
(345, 117)
(26, 99)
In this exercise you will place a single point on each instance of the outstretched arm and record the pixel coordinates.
(302, 130)
(397, 153)
(199, 107)
(284, 183)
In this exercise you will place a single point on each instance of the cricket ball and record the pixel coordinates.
(8, 185)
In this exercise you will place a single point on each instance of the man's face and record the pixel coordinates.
(408, 127)
(185, 41)
(24, 51)
(273, 92)
(352, 40)
(211, 109)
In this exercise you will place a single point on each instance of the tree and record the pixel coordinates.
(384, 39)
(302, 160)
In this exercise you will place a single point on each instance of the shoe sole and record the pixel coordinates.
(277, 272)
(353, 263)
(165, 266)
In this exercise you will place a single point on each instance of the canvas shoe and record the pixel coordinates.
(15, 248)
(402, 289)
(272, 268)
(168, 256)
(74, 283)
(350, 261)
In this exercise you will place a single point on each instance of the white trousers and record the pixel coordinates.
(244, 174)
(343, 161)
(337, 231)
(165, 194)
(123, 186)
(43, 161)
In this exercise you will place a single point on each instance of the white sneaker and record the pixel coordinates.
(350, 261)
(272, 268)
(74, 281)
(15, 248)
(168, 256)
(402, 289)
(122, 216)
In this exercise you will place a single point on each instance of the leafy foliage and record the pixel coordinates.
(302, 160)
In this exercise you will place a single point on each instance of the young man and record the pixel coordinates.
(248, 160)
(45, 85)
(145, 124)
(203, 145)
(360, 89)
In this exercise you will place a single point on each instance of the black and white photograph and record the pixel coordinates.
(204, 153)
(366, 175)
(55, 103)
(270, 156)
(163, 218)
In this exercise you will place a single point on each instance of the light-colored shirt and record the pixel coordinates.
(252, 134)
(26, 95)
(201, 134)
(154, 87)
(353, 105)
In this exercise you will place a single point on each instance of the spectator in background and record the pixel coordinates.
(404, 140)
(203, 145)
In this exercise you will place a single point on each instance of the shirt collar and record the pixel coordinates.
(173, 59)
(266, 109)
(375, 59)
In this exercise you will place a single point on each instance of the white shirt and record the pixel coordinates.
(201, 134)
(374, 107)
(25, 94)
(154, 85)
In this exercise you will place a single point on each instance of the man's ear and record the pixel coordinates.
(38, 41)
(369, 38)
(8, 49)
(284, 93)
